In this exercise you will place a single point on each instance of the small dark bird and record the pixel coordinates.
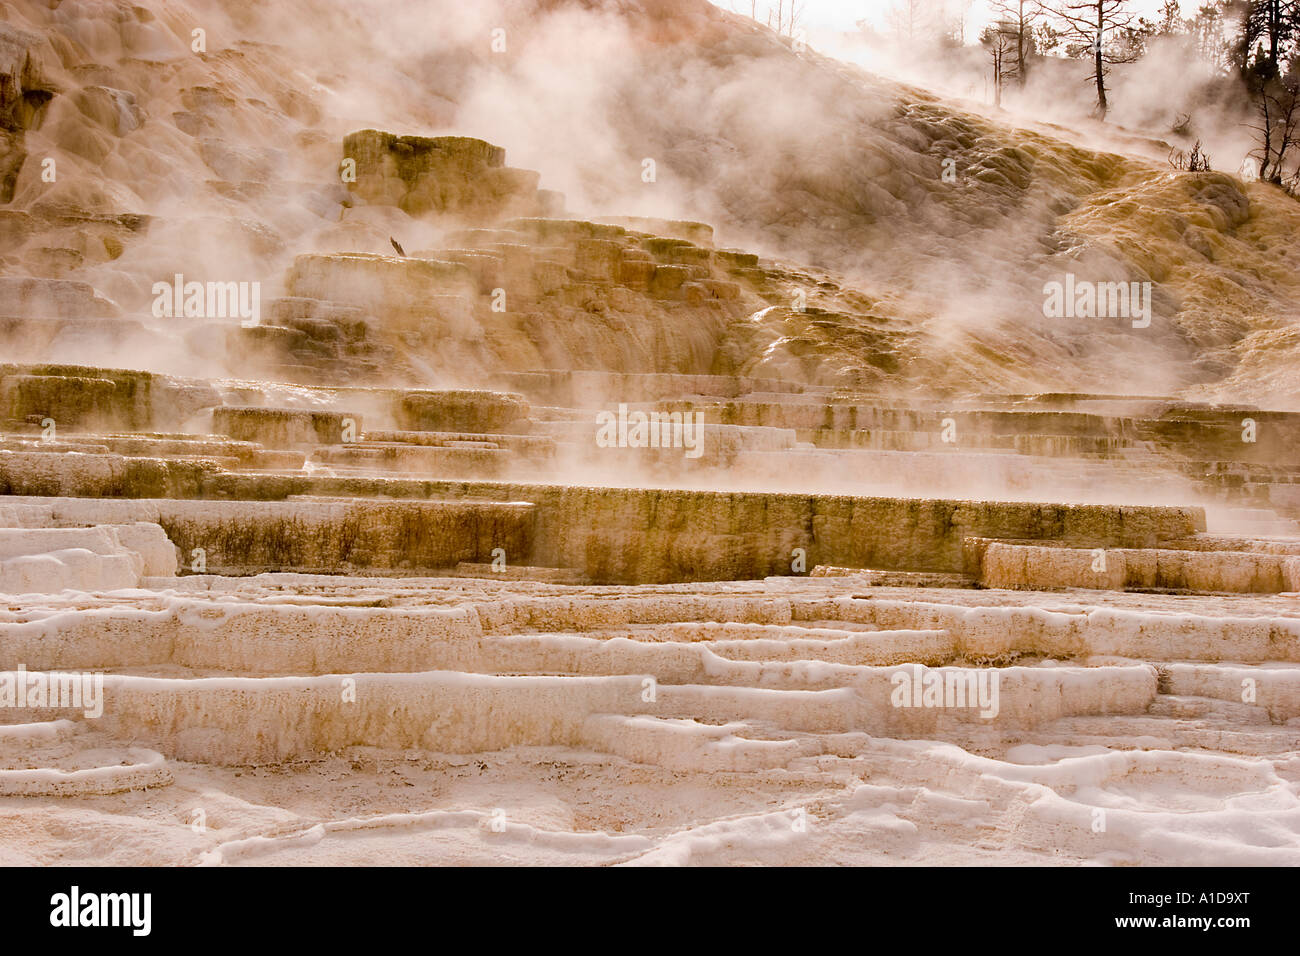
(398, 246)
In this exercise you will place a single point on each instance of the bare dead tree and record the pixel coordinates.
(1095, 26)
(780, 14)
(1021, 17)
(1264, 127)
(796, 17)
(1277, 123)
(999, 40)
(1198, 161)
(1286, 105)
(783, 16)
(1195, 161)
(956, 14)
(911, 20)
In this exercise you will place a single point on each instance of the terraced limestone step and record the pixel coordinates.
(451, 175)
(258, 720)
(625, 535)
(333, 536)
(1015, 449)
(466, 460)
(788, 677)
(1043, 568)
(286, 428)
(100, 558)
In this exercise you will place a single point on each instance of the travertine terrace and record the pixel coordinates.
(377, 588)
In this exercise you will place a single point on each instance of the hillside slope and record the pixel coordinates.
(223, 164)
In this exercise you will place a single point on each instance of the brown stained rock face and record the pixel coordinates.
(346, 536)
(76, 398)
(446, 175)
(24, 94)
(377, 281)
(282, 428)
(462, 411)
(53, 298)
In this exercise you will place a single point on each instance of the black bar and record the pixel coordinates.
(332, 906)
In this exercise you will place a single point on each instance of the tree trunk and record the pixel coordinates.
(1274, 28)
(1102, 106)
(1021, 71)
(1099, 61)
(1267, 130)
